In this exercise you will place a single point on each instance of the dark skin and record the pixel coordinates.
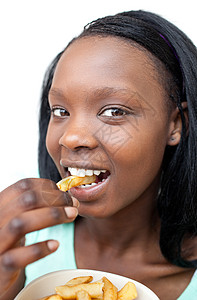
(118, 230)
(25, 206)
(120, 225)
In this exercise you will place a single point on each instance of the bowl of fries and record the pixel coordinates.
(83, 284)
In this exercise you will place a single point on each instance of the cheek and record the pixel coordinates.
(138, 163)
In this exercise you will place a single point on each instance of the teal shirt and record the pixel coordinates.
(64, 257)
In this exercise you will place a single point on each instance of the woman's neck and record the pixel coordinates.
(136, 224)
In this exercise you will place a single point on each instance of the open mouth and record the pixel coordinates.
(101, 175)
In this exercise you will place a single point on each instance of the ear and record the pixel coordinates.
(175, 128)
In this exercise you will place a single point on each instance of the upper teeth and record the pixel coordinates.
(84, 172)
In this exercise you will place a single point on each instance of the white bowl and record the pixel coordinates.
(45, 285)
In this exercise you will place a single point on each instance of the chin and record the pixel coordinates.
(90, 210)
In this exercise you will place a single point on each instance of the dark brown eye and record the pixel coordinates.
(59, 112)
(114, 112)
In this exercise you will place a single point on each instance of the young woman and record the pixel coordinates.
(119, 102)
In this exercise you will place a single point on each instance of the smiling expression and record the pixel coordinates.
(108, 113)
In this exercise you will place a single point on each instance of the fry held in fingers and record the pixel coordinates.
(82, 288)
(72, 181)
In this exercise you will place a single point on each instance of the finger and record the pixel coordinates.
(50, 194)
(46, 189)
(30, 200)
(19, 258)
(33, 199)
(14, 190)
(34, 220)
(75, 202)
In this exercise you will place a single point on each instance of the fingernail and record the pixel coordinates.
(71, 212)
(75, 202)
(52, 245)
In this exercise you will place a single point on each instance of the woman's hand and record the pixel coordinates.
(26, 206)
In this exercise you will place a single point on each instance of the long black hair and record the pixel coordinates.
(177, 201)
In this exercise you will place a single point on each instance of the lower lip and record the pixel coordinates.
(89, 193)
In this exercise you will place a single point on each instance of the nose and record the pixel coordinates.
(78, 135)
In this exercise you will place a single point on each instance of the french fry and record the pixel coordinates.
(128, 292)
(52, 297)
(55, 297)
(72, 181)
(82, 295)
(79, 280)
(109, 290)
(94, 289)
(81, 288)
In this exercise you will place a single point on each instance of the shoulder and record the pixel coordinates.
(191, 291)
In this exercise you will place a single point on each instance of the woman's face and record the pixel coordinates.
(108, 113)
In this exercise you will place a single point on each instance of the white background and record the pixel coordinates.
(32, 32)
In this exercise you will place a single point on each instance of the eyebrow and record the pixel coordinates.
(101, 92)
(56, 92)
(109, 91)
